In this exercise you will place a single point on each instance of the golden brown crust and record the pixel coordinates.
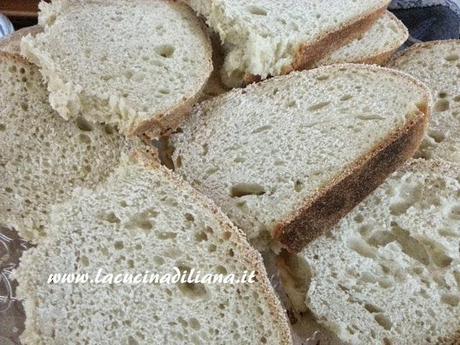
(250, 257)
(330, 204)
(324, 209)
(309, 54)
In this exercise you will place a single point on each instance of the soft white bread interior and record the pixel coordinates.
(139, 65)
(291, 155)
(144, 219)
(269, 38)
(437, 64)
(375, 46)
(389, 273)
(44, 157)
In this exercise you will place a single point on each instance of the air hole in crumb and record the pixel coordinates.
(118, 245)
(193, 291)
(441, 105)
(262, 129)
(2, 127)
(452, 57)
(189, 217)
(442, 94)
(83, 124)
(111, 218)
(298, 186)
(201, 236)
(383, 321)
(258, 11)
(318, 106)
(346, 98)
(243, 189)
(165, 50)
(450, 299)
(437, 136)
(84, 138)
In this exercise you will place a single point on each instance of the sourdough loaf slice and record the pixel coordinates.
(144, 219)
(389, 273)
(437, 64)
(138, 66)
(291, 156)
(12, 43)
(268, 38)
(44, 157)
(375, 46)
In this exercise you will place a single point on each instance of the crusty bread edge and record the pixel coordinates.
(159, 123)
(324, 209)
(385, 56)
(308, 54)
(397, 58)
(250, 256)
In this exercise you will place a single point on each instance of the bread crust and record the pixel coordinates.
(417, 46)
(251, 255)
(308, 54)
(384, 57)
(324, 209)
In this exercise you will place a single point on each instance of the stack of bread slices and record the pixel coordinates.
(199, 134)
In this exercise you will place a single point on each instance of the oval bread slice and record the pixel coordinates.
(289, 157)
(144, 219)
(389, 273)
(44, 157)
(437, 64)
(138, 65)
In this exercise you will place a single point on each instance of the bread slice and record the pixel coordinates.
(12, 43)
(437, 64)
(375, 46)
(145, 219)
(389, 273)
(272, 38)
(139, 66)
(291, 156)
(44, 157)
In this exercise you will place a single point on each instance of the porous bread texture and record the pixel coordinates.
(44, 157)
(437, 64)
(145, 219)
(265, 152)
(12, 43)
(268, 38)
(139, 65)
(389, 273)
(375, 46)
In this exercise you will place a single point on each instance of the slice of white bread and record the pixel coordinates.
(389, 273)
(44, 157)
(12, 43)
(375, 46)
(139, 65)
(145, 219)
(269, 38)
(437, 64)
(290, 156)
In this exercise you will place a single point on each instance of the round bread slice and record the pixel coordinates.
(44, 157)
(144, 219)
(136, 64)
(389, 273)
(437, 64)
(290, 156)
